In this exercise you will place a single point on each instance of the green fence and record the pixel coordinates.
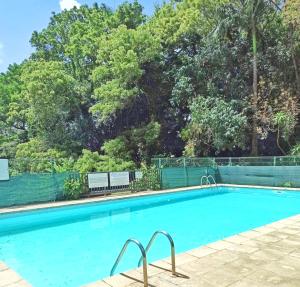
(41, 181)
(180, 172)
(32, 188)
(263, 171)
(33, 181)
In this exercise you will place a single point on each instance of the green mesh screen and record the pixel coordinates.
(32, 181)
(264, 171)
(30, 188)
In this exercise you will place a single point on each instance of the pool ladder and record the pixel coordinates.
(208, 180)
(144, 251)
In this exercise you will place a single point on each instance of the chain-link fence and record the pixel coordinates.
(281, 171)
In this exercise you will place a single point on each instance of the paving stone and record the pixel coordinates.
(236, 267)
(201, 266)
(23, 283)
(98, 284)
(245, 247)
(295, 253)
(267, 238)
(288, 266)
(184, 258)
(291, 230)
(118, 281)
(225, 255)
(202, 251)
(3, 266)
(222, 244)
(264, 229)
(250, 234)
(286, 245)
(221, 278)
(198, 282)
(267, 254)
(236, 239)
(249, 283)
(164, 264)
(279, 234)
(8, 277)
(267, 278)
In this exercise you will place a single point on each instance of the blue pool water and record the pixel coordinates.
(73, 246)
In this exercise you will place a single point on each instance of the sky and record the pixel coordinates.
(19, 18)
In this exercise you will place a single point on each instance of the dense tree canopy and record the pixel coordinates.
(110, 89)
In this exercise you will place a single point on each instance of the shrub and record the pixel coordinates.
(288, 184)
(149, 181)
(93, 161)
(73, 188)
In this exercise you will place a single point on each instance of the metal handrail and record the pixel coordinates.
(207, 179)
(144, 258)
(214, 181)
(204, 177)
(169, 237)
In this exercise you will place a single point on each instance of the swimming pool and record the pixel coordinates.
(75, 245)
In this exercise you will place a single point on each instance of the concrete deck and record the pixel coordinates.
(263, 257)
(9, 278)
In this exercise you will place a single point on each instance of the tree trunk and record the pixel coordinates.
(294, 59)
(254, 149)
(278, 142)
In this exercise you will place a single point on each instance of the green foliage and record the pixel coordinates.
(177, 19)
(72, 188)
(92, 161)
(48, 113)
(122, 55)
(130, 14)
(288, 184)
(215, 123)
(285, 123)
(149, 181)
(296, 150)
(131, 86)
(33, 156)
(12, 111)
(118, 147)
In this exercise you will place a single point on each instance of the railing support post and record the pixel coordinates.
(172, 245)
(143, 258)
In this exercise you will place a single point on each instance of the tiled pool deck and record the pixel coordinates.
(9, 278)
(263, 257)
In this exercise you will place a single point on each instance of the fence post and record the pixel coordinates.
(53, 176)
(185, 172)
(160, 173)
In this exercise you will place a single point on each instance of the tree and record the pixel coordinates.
(201, 77)
(214, 125)
(122, 56)
(50, 93)
(13, 125)
(291, 19)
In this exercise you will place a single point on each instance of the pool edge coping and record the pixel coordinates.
(11, 277)
(104, 198)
